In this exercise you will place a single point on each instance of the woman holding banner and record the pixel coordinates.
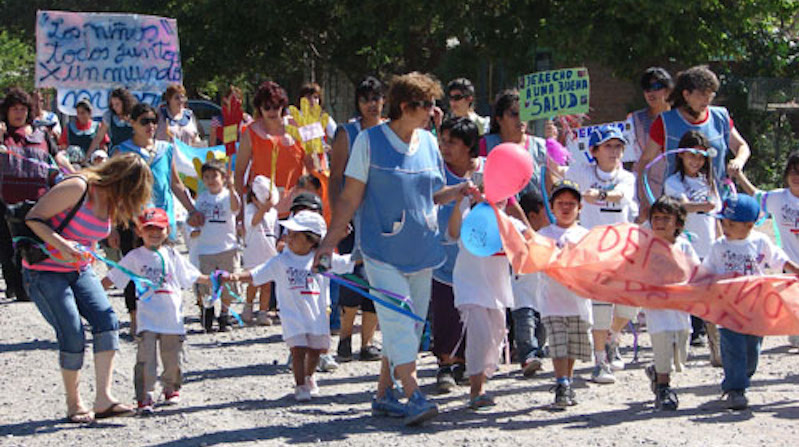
(394, 178)
(266, 145)
(159, 155)
(116, 120)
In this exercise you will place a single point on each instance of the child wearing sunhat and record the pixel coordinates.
(302, 296)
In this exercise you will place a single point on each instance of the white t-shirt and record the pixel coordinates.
(483, 281)
(360, 158)
(218, 234)
(555, 299)
(302, 296)
(784, 209)
(702, 225)
(526, 289)
(260, 240)
(159, 310)
(750, 256)
(662, 320)
(605, 213)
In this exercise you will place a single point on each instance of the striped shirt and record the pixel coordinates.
(85, 228)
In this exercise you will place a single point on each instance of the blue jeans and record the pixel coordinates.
(739, 355)
(525, 327)
(335, 315)
(63, 298)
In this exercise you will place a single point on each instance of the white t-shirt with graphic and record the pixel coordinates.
(702, 225)
(302, 296)
(605, 213)
(784, 209)
(160, 309)
(662, 320)
(260, 239)
(555, 299)
(745, 257)
(218, 234)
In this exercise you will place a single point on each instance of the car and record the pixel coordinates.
(204, 111)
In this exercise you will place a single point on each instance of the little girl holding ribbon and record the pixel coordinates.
(64, 286)
(694, 186)
(160, 310)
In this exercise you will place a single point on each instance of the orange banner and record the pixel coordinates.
(628, 264)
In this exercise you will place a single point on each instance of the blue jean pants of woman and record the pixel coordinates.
(63, 298)
(739, 356)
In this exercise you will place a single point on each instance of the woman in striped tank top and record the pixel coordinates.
(65, 288)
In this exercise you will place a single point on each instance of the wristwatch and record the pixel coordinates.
(602, 195)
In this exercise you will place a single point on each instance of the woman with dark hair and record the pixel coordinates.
(159, 155)
(175, 120)
(369, 102)
(458, 142)
(395, 177)
(65, 287)
(116, 120)
(460, 93)
(26, 173)
(266, 139)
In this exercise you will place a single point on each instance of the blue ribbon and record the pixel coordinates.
(377, 300)
(543, 182)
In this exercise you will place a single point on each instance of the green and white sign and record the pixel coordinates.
(553, 93)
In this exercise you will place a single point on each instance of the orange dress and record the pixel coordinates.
(289, 166)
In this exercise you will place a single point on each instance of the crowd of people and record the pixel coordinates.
(385, 213)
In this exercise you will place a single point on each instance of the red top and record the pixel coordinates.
(658, 134)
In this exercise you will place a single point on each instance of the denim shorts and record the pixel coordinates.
(63, 298)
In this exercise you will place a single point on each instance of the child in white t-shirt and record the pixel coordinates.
(302, 296)
(159, 318)
(608, 197)
(481, 286)
(566, 316)
(783, 205)
(668, 329)
(742, 252)
(260, 224)
(217, 245)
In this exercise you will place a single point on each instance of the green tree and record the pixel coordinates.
(16, 61)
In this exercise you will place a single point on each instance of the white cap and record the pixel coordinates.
(99, 153)
(265, 190)
(306, 221)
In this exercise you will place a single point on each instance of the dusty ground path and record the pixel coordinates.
(238, 392)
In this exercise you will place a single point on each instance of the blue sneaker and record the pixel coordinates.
(419, 409)
(388, 405)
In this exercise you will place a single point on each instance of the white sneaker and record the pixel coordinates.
(602, 374)
(614, 357)
(327, 363)
(310, 384)
(794, 340)
(301, 393)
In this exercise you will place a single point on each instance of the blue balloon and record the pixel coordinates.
(480, 231)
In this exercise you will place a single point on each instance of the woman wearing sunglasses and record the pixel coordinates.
(266, 138)
(656, 84)
(394, 179)
(175, 120)
(460, 92)
(159, 155)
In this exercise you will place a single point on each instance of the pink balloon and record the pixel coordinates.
(508, 169)
(557, 152)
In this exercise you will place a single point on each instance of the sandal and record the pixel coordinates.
(81, 417)
(115, 410)
(481, 402)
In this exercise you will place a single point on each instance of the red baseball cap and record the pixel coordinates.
(155, 217)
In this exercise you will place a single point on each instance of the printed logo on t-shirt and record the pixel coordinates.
(214, 212)
(740, 263)
(790, 218)
(302, 280)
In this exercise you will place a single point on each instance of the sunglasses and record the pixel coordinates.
(368, 99)
(513, 113)
(269, 107)
(424, 104)
(456, 97)
(655, 86)
(148, 121)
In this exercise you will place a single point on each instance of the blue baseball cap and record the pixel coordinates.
(604, 133)
(740, 208)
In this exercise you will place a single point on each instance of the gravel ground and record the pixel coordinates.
(238, 391)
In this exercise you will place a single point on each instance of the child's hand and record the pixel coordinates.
(591, 196)
(706, 207)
